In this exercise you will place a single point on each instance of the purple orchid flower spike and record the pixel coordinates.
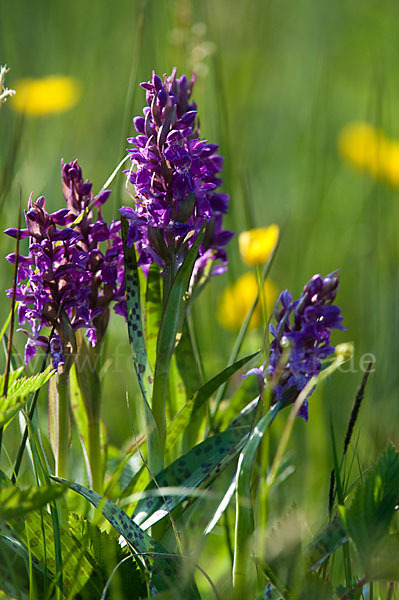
(175, 175)
(72, 273)
(302, 332)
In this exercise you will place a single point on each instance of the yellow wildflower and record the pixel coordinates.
(256, 245)
(52, 94)
(365, 147)
(237, 299)
(391, 164)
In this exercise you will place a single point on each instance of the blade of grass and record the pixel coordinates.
(244, 526)
(244, 328)
(13, 302)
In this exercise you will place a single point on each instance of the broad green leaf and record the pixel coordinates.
(368, 518)
(134, 318)
(124, 469)
(184, 381)
(223, 504)
(153, 311)
(199, 466)
(313, 586)
(166, 570)
(37, 529)
(81, 412)
(18, 391)
(137, 340)
(86, 370)
(176, 399)
(325, 543)
(187, 367)
(189, 410)
(15, 502)
(383, 563)
(14, 566)
(248, 389)
(170, 332)
(105, 552)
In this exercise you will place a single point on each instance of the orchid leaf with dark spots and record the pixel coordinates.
(325, 543)
(198, 467)
(166, 570)
(270, 593)
(134, 319)
(136, 337)
(36, 531)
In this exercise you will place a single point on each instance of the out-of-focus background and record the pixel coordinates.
(276, 84)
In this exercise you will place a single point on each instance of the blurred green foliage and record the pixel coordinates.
(276, 81)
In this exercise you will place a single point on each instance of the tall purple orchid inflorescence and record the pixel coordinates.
(176, 181)
(73, 271)
(301, 339)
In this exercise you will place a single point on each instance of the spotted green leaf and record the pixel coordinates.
(36, 531)
(15, 502)
(134, 318)
(198, 467)
(189, 411)
(105, 552)
(325, 543)
(270, 593)
(165, 569)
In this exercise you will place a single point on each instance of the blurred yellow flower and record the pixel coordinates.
(52, 94)
(237, 299)
(391, 165)
(256, 245)
(369, 149)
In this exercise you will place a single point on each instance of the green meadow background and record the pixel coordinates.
(276, 82)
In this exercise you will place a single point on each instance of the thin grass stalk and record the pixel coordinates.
(31, 412)
(244, 526)
(288, 430)
(32, 580)
(132, 85)
(13, 301)
(43, 475)
(244, 328)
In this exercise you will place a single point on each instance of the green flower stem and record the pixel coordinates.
(296, 407)
(340, 359)
(62, 425)
(95, 461)
(156, 440)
